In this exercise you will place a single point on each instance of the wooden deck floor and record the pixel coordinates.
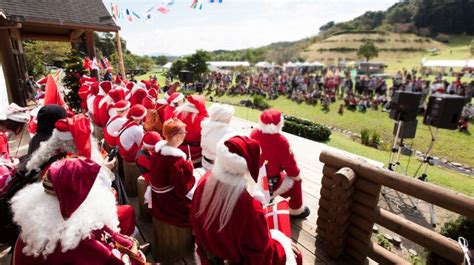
(303, 231)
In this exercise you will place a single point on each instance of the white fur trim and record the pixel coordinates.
(107, 99)
(229, 178)
(178, 98)
(162, 101)
(187, 107)
(297, 178)
(285, 242)
(169, 150)
(221, 112)
(285, 186)
(139, 117)
(271, 128)
(43, 227)
(230, 162)
(124, 108)
(297, 211)
(63, 136)
(148, 146)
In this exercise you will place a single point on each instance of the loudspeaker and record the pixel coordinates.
(186, 76)
(404, 105)
(408, 130)
(443, 111)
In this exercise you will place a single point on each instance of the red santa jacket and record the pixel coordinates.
(277, 151)
(143, 163)
(111, 129)
(245, 239)
(103, 114)
(98, 249)
(95, 104)
(193, 135)
(171, 178)
(168, 112)
(129, 141)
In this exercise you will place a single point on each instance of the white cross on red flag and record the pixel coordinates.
(278, 216)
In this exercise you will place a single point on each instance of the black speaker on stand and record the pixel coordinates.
(186, 76)
(444, 111)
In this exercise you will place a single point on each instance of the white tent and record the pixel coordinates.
(317, 64)
(448, 63)
(228, 64)
(167, 65)
(263, 65)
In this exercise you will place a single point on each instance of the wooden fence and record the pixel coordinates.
(348, 210)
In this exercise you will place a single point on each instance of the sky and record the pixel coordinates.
(232, 24)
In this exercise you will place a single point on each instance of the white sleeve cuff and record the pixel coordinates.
(285, 242)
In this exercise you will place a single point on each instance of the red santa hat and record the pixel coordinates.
(77, 129)
(122, 105)
(199, 102)
(71, 180)
(146, 83)
(117, 94)
(175, 98)
(152, 92)
(239, 155)
(137, 112)
(52, 95)
(149, 103)
(42, 81)
(86, 80)
(130, 85)
(118, 80)
(106, 86)
(271, 121)
(150, 139)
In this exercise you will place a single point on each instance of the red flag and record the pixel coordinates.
(87, 63)
(52, 95)
(163, 9)
(278, 217)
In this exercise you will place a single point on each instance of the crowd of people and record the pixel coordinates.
(358, 93)
(65, 203)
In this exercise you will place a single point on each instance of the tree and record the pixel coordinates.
(38, 54)
(177, 67)
(74, 71)
(160, 60)
(327, 26)
(197, 64)
(368, 50)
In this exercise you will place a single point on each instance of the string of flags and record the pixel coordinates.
(103, 64)
(132, 15)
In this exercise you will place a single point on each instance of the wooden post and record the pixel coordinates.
(334, 209)
(90, 46)
(120, 56)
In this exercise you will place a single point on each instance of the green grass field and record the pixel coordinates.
(452, 145)
(436, 175)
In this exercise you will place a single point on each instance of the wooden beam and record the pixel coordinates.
(440, 244)
(12, 26)
(120, 56)
(76, 34)
(45, 37)
(448, 199)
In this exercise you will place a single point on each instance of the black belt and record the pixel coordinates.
(191, 143)
(208, 160)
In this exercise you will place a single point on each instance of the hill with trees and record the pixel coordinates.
(403, 32)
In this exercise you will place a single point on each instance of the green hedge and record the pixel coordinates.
(306, 129)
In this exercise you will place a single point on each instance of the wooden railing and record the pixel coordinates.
(348, 210)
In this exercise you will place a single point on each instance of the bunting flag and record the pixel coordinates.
(129, 15)
(115, 11)
(197, 4)
(213, 1)
(94, 65)
(163, 9)
(87, 63)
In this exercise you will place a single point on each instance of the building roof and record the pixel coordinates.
(229, 63)
(72, 14)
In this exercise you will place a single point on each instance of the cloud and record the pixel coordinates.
(240, 24)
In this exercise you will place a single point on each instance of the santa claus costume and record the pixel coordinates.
(174, 100)
(282, 171)
(137, 93)
(143, 156)
(228, 221)
(116, 122)
(98, 104)
(215, 128)
(152, 120)
(192, 113)
(60, 223)
(171, 178)
(131, 133)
